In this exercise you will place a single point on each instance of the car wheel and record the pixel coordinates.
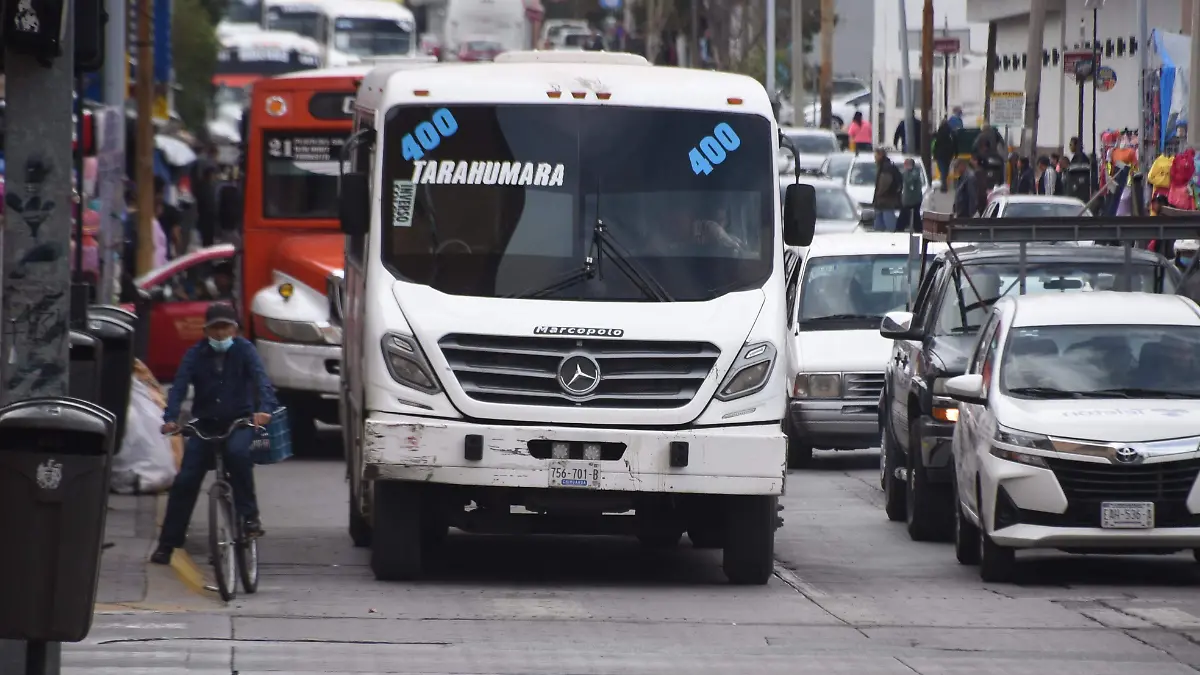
(895, 503)
(996, 563)
(966, 535)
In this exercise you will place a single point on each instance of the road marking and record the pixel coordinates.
(799, 585)
(1167, 617)
(539, 608)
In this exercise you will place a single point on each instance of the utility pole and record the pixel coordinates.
(906, 80)
(989, 73)
(1193, 92)
(771, 89)
(1149, 145)
(145, 135)
(694, 47)
(926, 82)
(828, 13)
(36, 243)
(116, 90)
(1033, 75)
(798, 95)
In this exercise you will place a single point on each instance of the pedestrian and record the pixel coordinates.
(1075, 149)
(204, 188)
(161, 230)
(945, 147)
(860, 133)
(230, 383)
(1044, 178)
(1060, 175)
(889, 186)
(985, 144)
(956, 120)
(1025, 179)
(910, 197)
(965, 201)
(983, 186)
(900, 138)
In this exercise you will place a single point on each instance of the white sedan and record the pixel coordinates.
(1035, 206)
(860, 176)
(1078, 429)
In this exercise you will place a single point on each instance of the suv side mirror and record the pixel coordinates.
(354, 203)
(898, 326)
(967, 389)
(799, 214)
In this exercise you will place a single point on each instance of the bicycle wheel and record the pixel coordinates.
(247, 559)
(222, 539)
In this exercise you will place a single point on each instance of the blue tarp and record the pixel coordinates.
(1173, 50)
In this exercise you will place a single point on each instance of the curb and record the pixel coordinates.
(182, 564)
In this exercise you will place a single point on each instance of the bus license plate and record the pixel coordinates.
(568, 473)
(1127, 515)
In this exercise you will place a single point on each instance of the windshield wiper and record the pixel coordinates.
(845, 317)
(1046, 392)
(1138, 392)
(591, 266)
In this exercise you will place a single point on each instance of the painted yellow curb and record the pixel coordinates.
(187, 571)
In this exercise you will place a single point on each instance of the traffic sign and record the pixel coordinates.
(947, 45)
(1079, 63)
(1007, 109)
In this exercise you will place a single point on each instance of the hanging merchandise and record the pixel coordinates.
(1183, 169)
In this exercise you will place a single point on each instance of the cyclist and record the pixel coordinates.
(230, 383)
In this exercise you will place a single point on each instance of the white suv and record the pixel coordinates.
(1078, 428)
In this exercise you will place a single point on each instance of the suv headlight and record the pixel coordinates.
(817, 385)
(406, 363)
(749, 372)
(303, 332)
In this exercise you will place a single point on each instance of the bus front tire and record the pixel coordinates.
(396, 532)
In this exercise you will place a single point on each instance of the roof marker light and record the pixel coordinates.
(276, 106)
(579, 94)
(554, 94)
(420, 92)
(733, 101)
(603, 95)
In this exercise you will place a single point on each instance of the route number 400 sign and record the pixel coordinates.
(429, 134)
(712, 150)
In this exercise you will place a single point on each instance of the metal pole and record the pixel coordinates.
(798, 94)
(145, 135)
(35, 241)
(1194, 92)
(1094, 173)
(110, 179)
(694, 47)
(906, 91)
(989, 73)
(771, 91)
(1033, 76)
(926, 82)
(827, 15)
(1143, 35)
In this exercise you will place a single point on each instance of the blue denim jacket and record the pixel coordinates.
(237, 389)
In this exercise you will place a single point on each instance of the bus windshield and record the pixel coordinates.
(492, 201)
(302, 22)
(241, 11)
(263, 60)
(300, 174)
(372, 37)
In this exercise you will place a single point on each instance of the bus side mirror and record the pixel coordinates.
(354, 203)
(799, 214)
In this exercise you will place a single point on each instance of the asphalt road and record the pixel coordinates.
(852, 595)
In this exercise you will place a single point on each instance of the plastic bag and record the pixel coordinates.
(146, 463)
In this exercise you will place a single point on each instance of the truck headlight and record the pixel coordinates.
(817, 385)
(749, 372)
(406, 363)
(303, 332)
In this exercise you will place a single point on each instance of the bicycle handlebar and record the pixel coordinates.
(190, 429)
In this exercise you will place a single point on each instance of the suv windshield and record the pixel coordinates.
(300, 174)
(813, 144)
(853, 291)
(372, 37)
(1114, 361)
(496, 201)
(833, 203)
(963, 311)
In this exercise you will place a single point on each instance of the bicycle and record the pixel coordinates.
(231, 553)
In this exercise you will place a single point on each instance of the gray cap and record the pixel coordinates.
(219, 313)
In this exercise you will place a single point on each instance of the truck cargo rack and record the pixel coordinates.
(946, 228)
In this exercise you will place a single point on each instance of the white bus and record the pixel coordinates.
(500, 21)
(349, 31)
(564, 291)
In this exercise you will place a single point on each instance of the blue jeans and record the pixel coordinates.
(197, 461)
(944, 173)
(885, 220)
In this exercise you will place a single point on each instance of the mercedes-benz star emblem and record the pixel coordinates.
(1128, 456)
(579, 375)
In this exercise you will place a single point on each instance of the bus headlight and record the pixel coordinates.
(302, 332)
(749, 372)
(406, 363)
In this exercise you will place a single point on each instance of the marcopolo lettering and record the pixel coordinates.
(579, 331)
(450, 172)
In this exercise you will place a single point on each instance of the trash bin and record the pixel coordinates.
(116, 366)
(1078, 182)
(114, 312)
(84, 374)
(993, 167)
(55, 461)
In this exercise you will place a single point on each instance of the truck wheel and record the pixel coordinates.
(966, 535)
(750, 539)
(706, 536)
(894, 497)
(396, 531)
(928, 516)
(360, 528)
(799, 453)
(996, 563)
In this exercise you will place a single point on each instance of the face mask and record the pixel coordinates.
(221, 345)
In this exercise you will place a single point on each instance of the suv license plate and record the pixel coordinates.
(569, 473)
(1127, 515)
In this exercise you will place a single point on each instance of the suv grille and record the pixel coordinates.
(524, 370)
(864, 385)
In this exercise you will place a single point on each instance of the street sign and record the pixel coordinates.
(1007, 109)
(1078, 64)
(1106, 78)
(946, 45)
